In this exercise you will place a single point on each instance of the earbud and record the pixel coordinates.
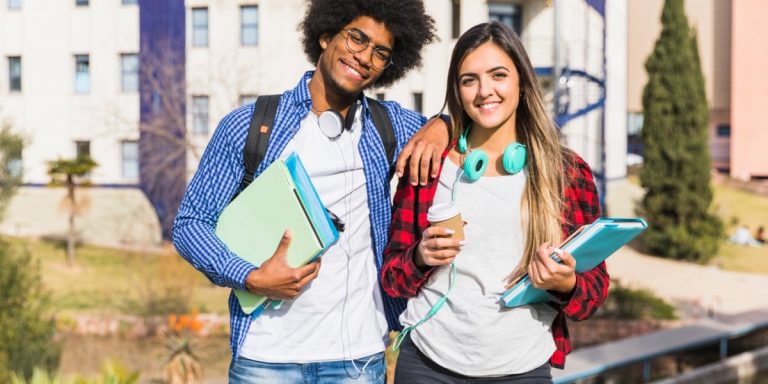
(513, 160)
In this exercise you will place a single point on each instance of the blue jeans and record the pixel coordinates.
(367, 370)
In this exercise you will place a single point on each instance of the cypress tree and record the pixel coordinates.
(677, 163)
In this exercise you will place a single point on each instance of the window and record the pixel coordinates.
(81, 3)
(456, 18)
(724, 130)
(509, 14)
(200, 27)
(130, 159)
(129, 72)
(247, 99)
(418, 105)
(200, 114)
(128, 2)
(380, 96)
(82, 74)
(83, 148)
(14, 73)
(249, 25)
(14, 4)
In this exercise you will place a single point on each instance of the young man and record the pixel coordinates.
(334, 329)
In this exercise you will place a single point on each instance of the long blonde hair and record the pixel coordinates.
(542, 201)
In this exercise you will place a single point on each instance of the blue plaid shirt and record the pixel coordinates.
(222, 168)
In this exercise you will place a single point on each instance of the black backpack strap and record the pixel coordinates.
(384, 126)
(258, 135)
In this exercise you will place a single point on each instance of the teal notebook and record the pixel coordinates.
(590, 246)
(282, 197)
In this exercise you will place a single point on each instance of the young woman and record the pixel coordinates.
(533, 193)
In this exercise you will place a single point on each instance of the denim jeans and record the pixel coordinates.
(367, 370)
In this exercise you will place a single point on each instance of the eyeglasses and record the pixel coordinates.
(357, 41)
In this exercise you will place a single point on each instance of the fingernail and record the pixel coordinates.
(462, 242)
(558, 251)
(399, 174)
(450, 231)
(423, 183)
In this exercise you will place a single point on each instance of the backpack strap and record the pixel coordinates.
(261, 128)
(384, 126)
(258, 135)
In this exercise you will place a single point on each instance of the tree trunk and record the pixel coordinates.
(71, 228)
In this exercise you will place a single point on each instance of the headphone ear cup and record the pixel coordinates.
(475, 164)
(514, 158)
(331, 123)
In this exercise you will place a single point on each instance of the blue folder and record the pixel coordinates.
(590, 246)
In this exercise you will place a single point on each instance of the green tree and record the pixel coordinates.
(677, 163)
(10, 165)
(26, 329)
(72, 174)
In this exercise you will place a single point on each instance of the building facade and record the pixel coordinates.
(84, 83)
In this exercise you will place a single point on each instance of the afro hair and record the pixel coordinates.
(409, 24)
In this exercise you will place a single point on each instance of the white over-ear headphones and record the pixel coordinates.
(332, 124)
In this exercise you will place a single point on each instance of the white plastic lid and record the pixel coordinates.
(442, 211)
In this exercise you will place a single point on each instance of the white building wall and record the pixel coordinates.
(47, 111)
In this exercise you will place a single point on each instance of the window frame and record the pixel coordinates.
(14, 80)
(82, 77)
(254, 25)
(200, 118)
(125, 75)
(200, 31)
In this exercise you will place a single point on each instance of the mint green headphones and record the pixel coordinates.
(513, 159)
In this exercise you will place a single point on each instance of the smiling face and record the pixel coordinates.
(489, 87)
(346, 72)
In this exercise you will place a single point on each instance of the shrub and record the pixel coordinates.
(625, 303)
(26, 331)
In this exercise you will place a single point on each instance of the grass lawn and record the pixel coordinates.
(748, 209)
(113, 281)
(751, 210)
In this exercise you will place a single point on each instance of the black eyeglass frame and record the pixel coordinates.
(365, 42)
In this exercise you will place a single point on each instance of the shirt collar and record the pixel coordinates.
(301, 96)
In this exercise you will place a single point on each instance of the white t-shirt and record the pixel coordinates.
(340, 314)
(472, 334)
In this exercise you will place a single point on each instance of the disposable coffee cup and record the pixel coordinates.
(448, 216)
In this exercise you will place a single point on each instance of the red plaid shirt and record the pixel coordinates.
(401, 278)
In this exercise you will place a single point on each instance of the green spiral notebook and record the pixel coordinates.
(282, 197)
(590, 245)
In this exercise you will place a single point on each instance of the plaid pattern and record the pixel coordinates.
(218, 177)
(401, 277)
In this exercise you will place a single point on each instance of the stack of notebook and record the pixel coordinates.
(282, 197)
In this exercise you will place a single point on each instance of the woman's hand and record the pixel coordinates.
(547, 274)
(436, 247)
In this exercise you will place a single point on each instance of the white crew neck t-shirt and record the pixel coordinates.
(340, 314)
(472, 334)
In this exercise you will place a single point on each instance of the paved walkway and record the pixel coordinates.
(694, 289)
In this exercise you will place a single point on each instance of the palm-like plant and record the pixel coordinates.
(71, 173)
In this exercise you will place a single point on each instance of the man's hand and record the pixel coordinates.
(546, 273)
(425, 149)
(275, 279)
(436, 247)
